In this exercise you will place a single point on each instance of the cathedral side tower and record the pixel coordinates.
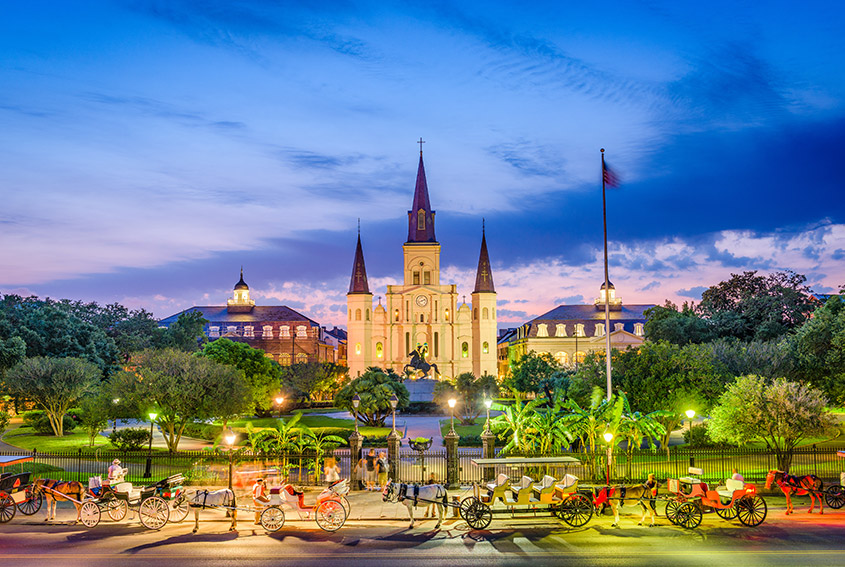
(484, 315)
(359, 302)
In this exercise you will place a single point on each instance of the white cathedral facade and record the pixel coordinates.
(422, 311)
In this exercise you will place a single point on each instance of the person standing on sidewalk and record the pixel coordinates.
(259, 498)
(381, 466)
(370, 473)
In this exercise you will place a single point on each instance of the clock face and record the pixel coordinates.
(421, 300)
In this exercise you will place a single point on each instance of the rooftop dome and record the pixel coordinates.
(241, 283)
(602, 284)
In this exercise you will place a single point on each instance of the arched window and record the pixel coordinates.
(436, 344)
(475, 313)
(494, 313)
(267, 331)
(427, 277)
(485, 347)
(485, 313)
(215, 331)
(284, 359)
(422, 318)
(599, 329)
(542, 330)
(284, 332)
(638, 329)
(248, 331)
(350, 314)
(396, 315)
(357, 314)
(580, 356)
(447, 314)
(465, 349)
(421, 219)
(618, 327)
(562, 357)
(560, 330)
(415, 277)
(301, 331)
(579, 330)
(379, 350)
(367, 316)
(301, 358)
(357, 348)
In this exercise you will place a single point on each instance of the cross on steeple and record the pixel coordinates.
(421, 142)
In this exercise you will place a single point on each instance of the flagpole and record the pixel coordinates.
(606, 278)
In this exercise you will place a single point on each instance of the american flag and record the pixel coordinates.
(609, 176)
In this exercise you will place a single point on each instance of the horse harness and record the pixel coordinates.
(403, 494)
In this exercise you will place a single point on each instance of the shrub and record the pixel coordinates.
(30, 417)
(130, 439)
(699, 436)
(424, 408)
(206, 431)
(42, 424)
(4, 421)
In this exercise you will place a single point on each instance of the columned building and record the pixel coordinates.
(458, 337)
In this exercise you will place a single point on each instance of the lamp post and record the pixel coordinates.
(690, 414)
(280, 399)
(487, 404)
(452, 402)
(115, 401)
(394, 401)
(356, 401)
(608, 437)
(230, 441)
(148, 470)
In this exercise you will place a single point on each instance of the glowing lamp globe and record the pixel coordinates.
(452, 402)
(229, 437)
(280, 399)
(488, 403)
(356, 400)
(153, 416)
(690, 413)
(608, 437)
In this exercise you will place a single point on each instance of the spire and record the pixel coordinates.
(484, 275)
(421, 217)
(358, 283)
(241, 283)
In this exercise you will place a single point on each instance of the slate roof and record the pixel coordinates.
(484, 274)
(220, 314)
(421, 202)
(589, 316)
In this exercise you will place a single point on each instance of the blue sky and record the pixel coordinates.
(149, 149)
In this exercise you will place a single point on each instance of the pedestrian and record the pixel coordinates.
(116, 472)
(331, 470)
(736, 476)
(259, 498)
(360, 470)
(431, 508)
(382, 470)
(370, 473)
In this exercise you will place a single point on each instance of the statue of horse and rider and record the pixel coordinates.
(418, 362)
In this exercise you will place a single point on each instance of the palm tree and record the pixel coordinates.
(636, 427)
(321, 443)
(547, 432)
(589, 423)
(516, 420)
(281, 438)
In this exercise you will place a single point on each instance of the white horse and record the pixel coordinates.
(224, 499)
(412, 495)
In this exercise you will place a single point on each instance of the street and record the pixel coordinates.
(803, 539)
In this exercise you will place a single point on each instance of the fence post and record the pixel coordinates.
(488, 442)
(452, 460)
(815, 460)
(355, 441)
(393, 442)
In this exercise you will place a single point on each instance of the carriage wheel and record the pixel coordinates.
(751, 510)
(330, 515)
(689, 515)
(7, 508)
(478, 515)
(835, 496)
(575, 510)
(154, 513)
(33, 502)
(726, 513)
(117, 509)
(672, 510)
(272, 518)
(466, 504)
(89, 514)
(346, 507)
(179, 509)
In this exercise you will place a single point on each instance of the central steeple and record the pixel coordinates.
(421, 217)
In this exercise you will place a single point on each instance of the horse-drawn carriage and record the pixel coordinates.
(330, 509)
(16, 491)
(558, 496)
(156, 504)
(691, 497)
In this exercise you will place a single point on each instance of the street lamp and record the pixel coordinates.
(356, 401)
(690, 414)
(394, 401)
(452, 402)
(608, 437)
(487, 404)
(280, 399)
(230, 440)
(148, 470)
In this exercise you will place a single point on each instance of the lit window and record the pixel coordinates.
(248, 331)
(580, 356)
(231, 329)
(579, 330)
(214, 331)
(542, 330)
(618, 327)
(379, 350)
(560, 330)
(447, 314)
(267, 331)
(638, 329)
(301, 332)
(421, 219)
(396, 315)
(268, 355)
(485, 347)
(357, 348)
(562, 357)
(599, 329)
(284, 359)
(301, 358)
(465, 350)
(284, 332)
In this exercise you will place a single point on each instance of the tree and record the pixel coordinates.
(589, 423)
(186, 334)
(12, 351)
(375, 387)
(750, 306)
(515, 421)
(779, 412)
(5, 418)
(769, 359)
(262, 374)
(181, 388)
(470, 392)
(94, 416)
(819, 349)
(313, 380)
(667, 323)
(535, 373)
(55, 384)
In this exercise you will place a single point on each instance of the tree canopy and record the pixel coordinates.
(470, 392)
(375, 387)
(819, 349)
(262, 374)
(312, 380)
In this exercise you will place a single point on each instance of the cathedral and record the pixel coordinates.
(422, 314)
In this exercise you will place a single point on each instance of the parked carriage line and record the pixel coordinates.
(166, 501)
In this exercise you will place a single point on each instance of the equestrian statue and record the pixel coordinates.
(418, 362)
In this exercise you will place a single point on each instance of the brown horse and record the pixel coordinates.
(798, 485)
(60, 490)
(617, 495)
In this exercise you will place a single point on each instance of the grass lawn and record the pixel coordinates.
(26, 438)
(463, 430)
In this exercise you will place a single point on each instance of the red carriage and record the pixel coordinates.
(691, 497)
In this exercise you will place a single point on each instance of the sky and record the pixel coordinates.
(149, 149)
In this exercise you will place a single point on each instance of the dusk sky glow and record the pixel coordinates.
(148, 149)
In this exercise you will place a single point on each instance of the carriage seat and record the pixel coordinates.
(730, 487)
(499, 489)
(501, 480)
(567, 485)
(522, 493)
(127, 491)
(545, 491)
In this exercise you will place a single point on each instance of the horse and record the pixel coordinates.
(223, 498)
(412, 495)
(616, 496)
(799, 485)
(60, 490)
(418, 363)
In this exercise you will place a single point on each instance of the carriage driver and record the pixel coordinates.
(116, 471)
(259, 498)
